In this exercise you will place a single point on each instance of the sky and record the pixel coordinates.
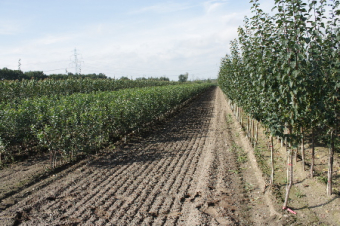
(131, 38)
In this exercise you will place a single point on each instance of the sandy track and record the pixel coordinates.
(181, 174)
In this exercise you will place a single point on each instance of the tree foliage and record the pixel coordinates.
(19, 90)
(284, 69)
(8, 74)
(81, 123)
(183, 77)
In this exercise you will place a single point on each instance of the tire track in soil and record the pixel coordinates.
(178, 175)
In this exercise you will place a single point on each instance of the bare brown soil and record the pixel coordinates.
(308, 197)
(197, 168)
(16, 175)
(181, 174)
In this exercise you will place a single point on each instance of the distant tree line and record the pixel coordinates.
(70, 75)
(8, 74)
(156, 78)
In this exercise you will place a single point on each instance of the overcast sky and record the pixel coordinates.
(144, 38)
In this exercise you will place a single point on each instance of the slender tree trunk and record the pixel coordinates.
(236, 113)
(253, 135)
(257, 133)
(289, 175)
(272, 159)
(312, 155)
(303, 148)
(241, 115)
(51, 158)
(248, 126)
(55, 159)
(330, 165)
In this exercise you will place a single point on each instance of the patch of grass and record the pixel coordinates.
(242, 158)
(248, 187)
(234, 171)
(229, 118)
(241, 154)
(322, 179)
(261, 160)
(257, 152)
(277, 193)
(299, 194)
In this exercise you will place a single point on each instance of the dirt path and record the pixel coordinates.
(182, 174)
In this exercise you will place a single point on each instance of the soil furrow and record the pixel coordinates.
(178, 174)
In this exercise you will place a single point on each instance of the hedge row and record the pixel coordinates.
(19, 90)
(77, 123)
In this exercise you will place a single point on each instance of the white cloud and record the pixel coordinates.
(213, 5)
(137, 46)
(170, 49)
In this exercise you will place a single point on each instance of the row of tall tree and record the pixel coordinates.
(284, 70)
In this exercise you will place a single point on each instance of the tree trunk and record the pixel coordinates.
(236, 113)
(303, 149)
(272, 159)
(330, 165)
(253, 135)
(312, 155)
(241, 113)
(51, 158)
(289, 175)
(55, 159)
(248, 126)
(257, 133)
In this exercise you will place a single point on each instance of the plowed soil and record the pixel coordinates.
(182, 173)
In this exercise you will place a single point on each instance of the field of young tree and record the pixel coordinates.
(260, 149)
(69, 122)
(284, 72)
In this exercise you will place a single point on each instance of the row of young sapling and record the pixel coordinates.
(251, 129)
(284, 71)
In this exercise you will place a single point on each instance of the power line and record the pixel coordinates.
(132, 69)
(57, 69)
